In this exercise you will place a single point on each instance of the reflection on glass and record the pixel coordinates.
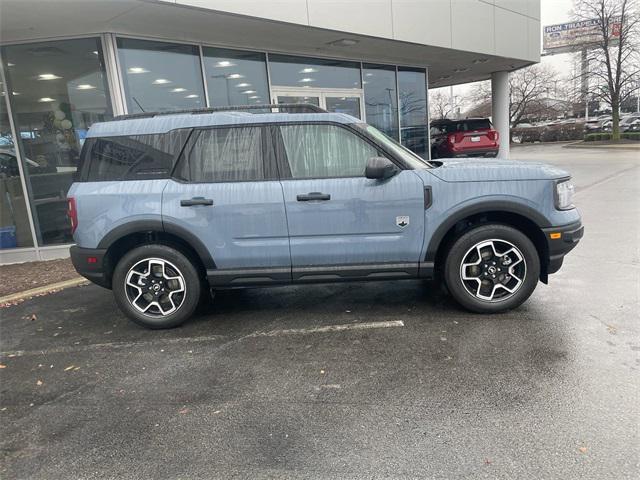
(380, 98)
(59, 90)
(348, 105)
(160, 76)
(287, 71)
(412, 92)
(298, 99)
(235, 77)
(14, 222)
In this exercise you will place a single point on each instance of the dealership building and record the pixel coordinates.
(67, 64)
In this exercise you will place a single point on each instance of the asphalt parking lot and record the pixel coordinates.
(367, 380)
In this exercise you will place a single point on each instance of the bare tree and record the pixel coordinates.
(440, 105)
(532, 93)
(613, 60)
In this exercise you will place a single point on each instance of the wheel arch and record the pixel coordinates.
(523, 218)
(126, 237)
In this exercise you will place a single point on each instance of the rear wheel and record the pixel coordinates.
(492, 268)
(156, 286)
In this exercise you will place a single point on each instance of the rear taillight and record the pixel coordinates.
(72, 212)
(493, 135)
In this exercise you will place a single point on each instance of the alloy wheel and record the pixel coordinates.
(155, 287)
(493, 270)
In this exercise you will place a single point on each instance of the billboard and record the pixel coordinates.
(576, 35)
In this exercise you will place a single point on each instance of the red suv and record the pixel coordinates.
(471, 137)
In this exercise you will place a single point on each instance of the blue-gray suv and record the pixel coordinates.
(168, 206)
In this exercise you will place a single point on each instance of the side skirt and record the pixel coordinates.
(250, 277)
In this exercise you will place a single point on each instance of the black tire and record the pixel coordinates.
(185, 304)
(463, 248)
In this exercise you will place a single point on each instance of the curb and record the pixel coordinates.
(52, 287)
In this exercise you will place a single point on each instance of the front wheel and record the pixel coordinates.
(492, 268)
(156, 286)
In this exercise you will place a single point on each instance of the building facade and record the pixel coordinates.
(67, 64)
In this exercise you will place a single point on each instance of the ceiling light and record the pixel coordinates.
(178, 90)
(369, 74)
(192, 95)
(306, 80)
(308, 70)
(137, 70)
(85, 86)
(344, 42)
(9, 64)
(161, 81)
(234, 76)
(480, 60)
(225, 63)
(248, 92)
(461, 69)
(243, 85)
(16, 93)
(48, 76)
(95, 52)
(253, 97)
(46, 99)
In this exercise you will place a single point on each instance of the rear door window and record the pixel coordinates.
(229, 154)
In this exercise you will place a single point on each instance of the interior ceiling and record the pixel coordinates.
(29, 19)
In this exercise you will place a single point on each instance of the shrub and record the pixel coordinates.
(595, 137)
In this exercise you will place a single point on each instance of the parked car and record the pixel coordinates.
(630, 123)
(471, 137)
(167, 206)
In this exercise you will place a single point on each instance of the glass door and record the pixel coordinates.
(331, 100)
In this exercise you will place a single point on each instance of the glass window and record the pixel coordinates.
(225, 155)
(321, 151)
(412, 92)
(287, 71)
(59, 90)
(381, 98)
(348, 105)
(14, 220)
(160, 76)
(235, 77)
(136, 157)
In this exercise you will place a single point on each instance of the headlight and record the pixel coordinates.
(564, 195)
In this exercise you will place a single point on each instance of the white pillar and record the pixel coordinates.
(500, 109)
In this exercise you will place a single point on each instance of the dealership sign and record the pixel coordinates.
(577, 35)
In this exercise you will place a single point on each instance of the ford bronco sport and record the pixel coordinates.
(167, 206)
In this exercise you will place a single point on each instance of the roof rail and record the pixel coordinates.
(282, 108)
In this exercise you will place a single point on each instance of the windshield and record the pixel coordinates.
(413, 160)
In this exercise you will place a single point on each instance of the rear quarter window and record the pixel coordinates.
(134, 157)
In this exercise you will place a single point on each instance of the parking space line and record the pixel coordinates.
(110, 345)
(329, 328)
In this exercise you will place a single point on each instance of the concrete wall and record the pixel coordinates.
(509, 28)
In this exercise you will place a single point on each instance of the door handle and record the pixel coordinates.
(309, 197)
(196, 201)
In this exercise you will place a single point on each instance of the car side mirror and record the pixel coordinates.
(380, 168)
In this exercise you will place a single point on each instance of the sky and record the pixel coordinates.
(552, 12)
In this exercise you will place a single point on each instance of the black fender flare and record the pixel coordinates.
(479, 208)
(141, 226)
